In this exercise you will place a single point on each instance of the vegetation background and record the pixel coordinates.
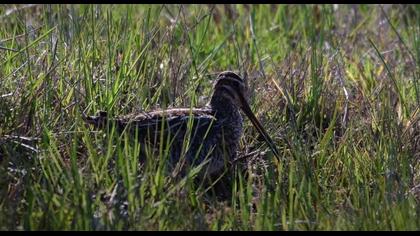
(336, 86)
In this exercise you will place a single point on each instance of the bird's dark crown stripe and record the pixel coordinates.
(231, 75)
(230, 82)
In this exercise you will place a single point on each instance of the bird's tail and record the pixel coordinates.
(99, 121)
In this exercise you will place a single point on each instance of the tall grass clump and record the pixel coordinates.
(336, 86)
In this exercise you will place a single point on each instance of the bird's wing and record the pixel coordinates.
(149, 125)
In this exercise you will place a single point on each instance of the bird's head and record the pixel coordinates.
(230, 87)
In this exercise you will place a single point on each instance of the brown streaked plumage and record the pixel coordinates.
(215, 129)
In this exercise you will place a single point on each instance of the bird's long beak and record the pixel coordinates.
(247, 110)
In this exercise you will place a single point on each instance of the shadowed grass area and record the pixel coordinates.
(336, 86)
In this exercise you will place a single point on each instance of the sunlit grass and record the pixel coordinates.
(336, 87)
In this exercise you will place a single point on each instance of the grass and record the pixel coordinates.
(336, 87)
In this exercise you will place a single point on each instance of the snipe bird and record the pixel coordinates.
(214, 133)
